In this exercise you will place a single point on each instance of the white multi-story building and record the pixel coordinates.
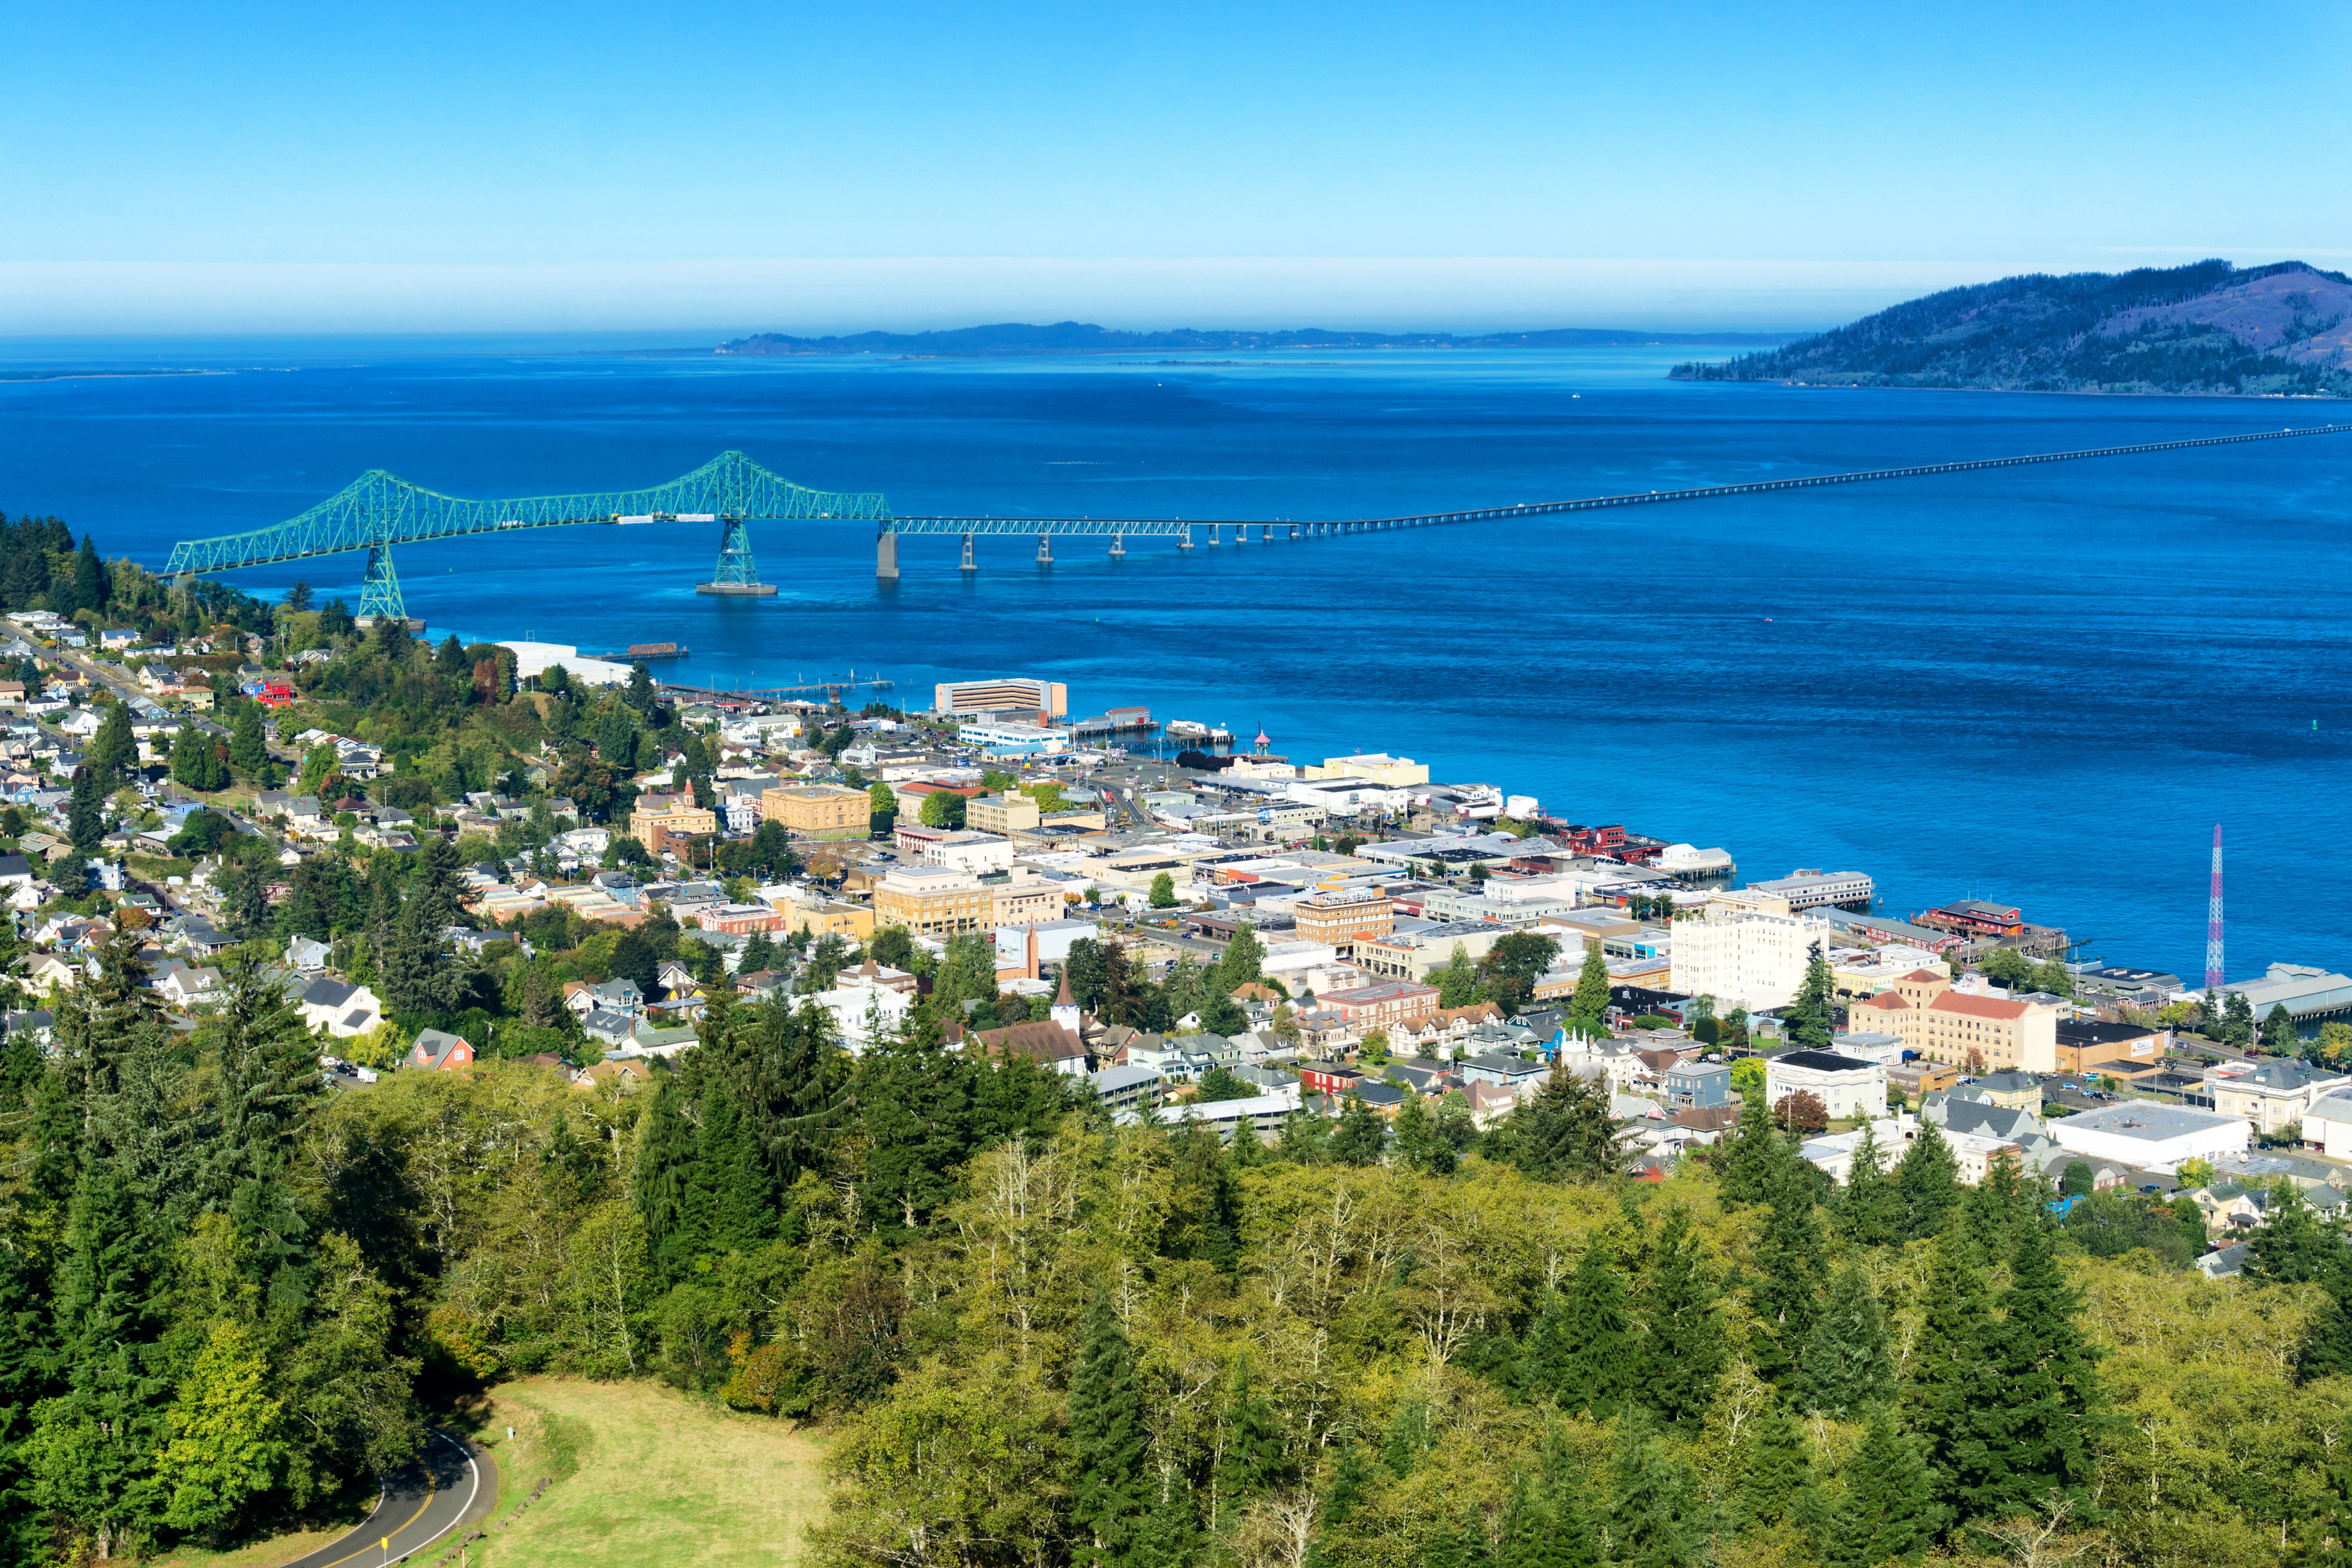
(1744, 957)
(1848, 1086)
(1817, 890)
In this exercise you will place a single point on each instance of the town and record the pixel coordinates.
(1223, 937)
(447, 1027)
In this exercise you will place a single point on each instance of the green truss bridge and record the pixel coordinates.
(378, 510)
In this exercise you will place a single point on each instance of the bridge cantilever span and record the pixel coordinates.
(378, 510)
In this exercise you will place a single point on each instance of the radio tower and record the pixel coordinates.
(2214, 920)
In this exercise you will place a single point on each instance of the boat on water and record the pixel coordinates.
(648, 651)
(1188, 729)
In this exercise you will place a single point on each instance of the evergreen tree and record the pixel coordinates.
(1571, 1540)
(1882, 1515)
(249, 751)
(1589, 1003)
(1250, 1461)
(641, 695)
(540, 1003)
(1788, 1297)
(1757, 1152)
(90, 577)
(2006, 1204)
(2294, 1247)
(113, 752)
(1845, 1369)
(664, 1171)
(2040, 1434)
(1110, 1495)
(1419, 1145)
(1927, 1183)
(1652, 1500)
(1566, 1132)
(92, 1449)
(1682, 1345)
(914, 1109)
(85, 824)
(1587, 1356)
(1241, 962)
(1170, 1536)
(1360, 1136)
(1869, 1207)
(1407, 1438)
(414, 976)
(1812, 1018)
(1777, 1478)
(1951, 1377)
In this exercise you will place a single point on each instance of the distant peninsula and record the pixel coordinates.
(1013, 339)
(2208, 328)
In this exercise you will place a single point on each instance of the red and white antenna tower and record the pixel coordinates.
(2214, 920)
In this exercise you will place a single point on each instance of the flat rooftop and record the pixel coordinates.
(2147, 1118)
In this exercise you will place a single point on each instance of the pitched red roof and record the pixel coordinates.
(1927, 977)
(1885, 1002)
(1978, 1006)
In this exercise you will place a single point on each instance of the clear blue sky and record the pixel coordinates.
(618, 150)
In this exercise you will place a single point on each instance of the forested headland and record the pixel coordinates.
(2206, 328)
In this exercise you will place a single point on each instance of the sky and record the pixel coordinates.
(480, 166)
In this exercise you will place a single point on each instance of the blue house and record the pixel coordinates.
(1698, 1085)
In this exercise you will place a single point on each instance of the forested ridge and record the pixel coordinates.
(2071, 334)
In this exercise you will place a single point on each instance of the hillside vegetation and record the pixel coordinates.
(2206, 328)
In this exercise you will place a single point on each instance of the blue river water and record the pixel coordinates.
(2042, 685)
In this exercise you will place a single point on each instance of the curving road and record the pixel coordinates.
(421, 1503)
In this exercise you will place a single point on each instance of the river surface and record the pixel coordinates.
(2041, 685)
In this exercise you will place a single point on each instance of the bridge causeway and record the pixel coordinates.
(381, 509)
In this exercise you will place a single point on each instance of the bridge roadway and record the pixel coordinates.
(1120, 529)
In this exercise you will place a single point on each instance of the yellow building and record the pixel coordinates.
(1004, 814)
(850, 922)
(939, 901)
(666, 821)
(818, 810)
(1339, 916)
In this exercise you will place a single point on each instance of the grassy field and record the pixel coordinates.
(260, 1554)
(646, 1476)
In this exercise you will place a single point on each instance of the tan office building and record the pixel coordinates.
(661, 822)
(1339, 917)
(818, 811)
(1976, 1034)
(940, 900)
(1003, 813)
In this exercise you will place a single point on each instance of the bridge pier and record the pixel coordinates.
(737, 575)
(1185, 541)
(1119, 547)
(1212, 536)
(380, 589)
(1044, 549)
(968, 565)
(886, 555)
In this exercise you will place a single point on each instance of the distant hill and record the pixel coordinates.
(2207, 328)
(1013, 339)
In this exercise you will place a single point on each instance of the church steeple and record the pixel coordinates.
(1065, 1009)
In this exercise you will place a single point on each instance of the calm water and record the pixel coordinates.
(2042, 685)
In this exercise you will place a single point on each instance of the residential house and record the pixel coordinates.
(1128, 1088)
(183, 986)
(438, 1051)
(340, 1008)
(2271, 1094)
(1697, 1086)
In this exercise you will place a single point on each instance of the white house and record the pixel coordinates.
(864, 1009)
(341, 1009)
(1849, 1086)
(2327, 1125)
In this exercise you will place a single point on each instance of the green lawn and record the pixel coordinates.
(659, 1478)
